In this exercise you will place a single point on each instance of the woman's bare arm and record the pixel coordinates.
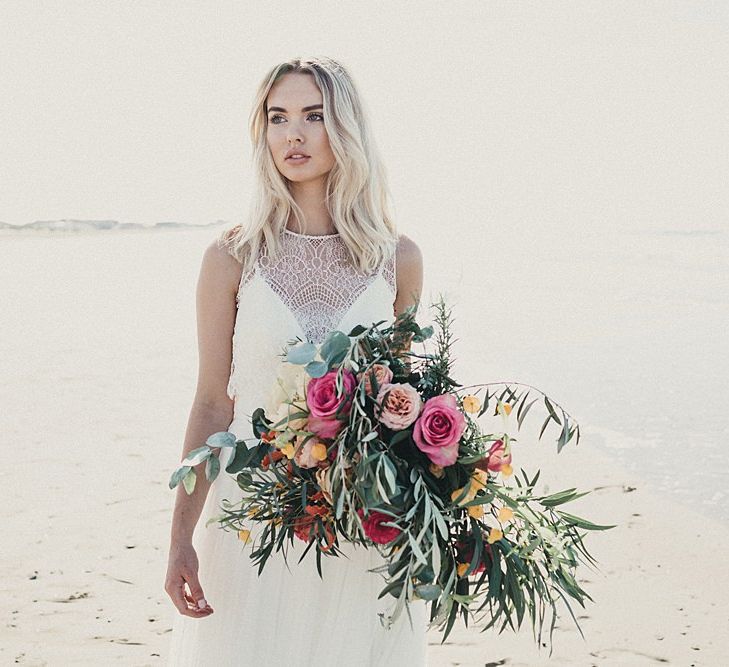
(409, 275)
(211, 411)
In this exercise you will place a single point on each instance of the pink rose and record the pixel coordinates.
(496, 456)
(401, 407)
(374, 529)
(323, 402)
(325, 428)
(383, 375)
(439, 428)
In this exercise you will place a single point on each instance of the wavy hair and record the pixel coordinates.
(357, 195)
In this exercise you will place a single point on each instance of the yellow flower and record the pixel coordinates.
(505, 514)
(244, 536)
(319, 451)
(506, 470)
(494, 536)
(289, 450)
(480, 477)
(470, 495)
(461, 569)
(475, 511)
(471, 403)
(503, 408)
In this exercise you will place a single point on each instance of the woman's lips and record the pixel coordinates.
(298, 160)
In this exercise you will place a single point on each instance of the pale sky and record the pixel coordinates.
(541, 116)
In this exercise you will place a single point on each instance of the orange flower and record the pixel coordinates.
(479, 478)
(505, 514)
(503, 408)
(471, 403)
(316, 510)
(494, 536)
(476, 511)
(319, 451)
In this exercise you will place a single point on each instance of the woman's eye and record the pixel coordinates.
(273, 119)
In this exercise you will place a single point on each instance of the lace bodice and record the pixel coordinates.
(307, 290)
(314, 278)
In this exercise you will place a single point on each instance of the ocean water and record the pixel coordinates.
(626, 331)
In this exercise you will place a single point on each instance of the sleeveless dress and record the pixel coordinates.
(289, 615)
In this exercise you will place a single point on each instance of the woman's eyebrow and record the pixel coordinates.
(309, 108)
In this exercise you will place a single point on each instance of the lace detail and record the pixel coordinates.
(389, 269)
(314, 278)
(315, 282)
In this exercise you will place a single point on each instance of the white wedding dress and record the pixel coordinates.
(288, 615)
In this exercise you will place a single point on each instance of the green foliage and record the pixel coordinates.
(470, 541)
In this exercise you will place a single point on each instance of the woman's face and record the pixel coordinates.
(296, 120)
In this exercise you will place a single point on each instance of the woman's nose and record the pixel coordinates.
(294, 133)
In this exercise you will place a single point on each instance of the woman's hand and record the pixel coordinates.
(182, 569)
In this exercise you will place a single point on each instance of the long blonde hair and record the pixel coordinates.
(357, 195)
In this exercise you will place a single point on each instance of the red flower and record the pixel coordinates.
(495, 458)
(303, 527)
(374, 528)
(465, 555)
(306, 529)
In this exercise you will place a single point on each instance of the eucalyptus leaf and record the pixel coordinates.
(197, 456)
(301, 354)
(335, 348)
(428, 591)
(317, 369)
(212, 468)
(188, 481)
(221, 439)
(177, 476)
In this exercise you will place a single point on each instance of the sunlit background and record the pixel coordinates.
(561, 165)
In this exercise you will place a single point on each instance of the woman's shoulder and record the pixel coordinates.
(220, 266)
(408, 253)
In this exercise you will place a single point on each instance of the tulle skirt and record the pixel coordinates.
(289, 615)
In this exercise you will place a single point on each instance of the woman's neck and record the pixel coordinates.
(310, 198)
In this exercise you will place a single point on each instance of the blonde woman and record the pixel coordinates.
(320, 252)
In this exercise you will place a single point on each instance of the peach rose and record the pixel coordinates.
(383, 375)
(401, 407)
(310, 453)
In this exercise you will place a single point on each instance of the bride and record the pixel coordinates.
(320, 252)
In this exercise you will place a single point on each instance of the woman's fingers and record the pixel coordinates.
(184, 603)
(196, 605)
(196, 592)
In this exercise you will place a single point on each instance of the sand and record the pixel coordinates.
(99, 368)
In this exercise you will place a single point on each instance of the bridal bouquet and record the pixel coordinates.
(368, 442)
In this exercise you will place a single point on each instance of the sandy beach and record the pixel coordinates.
(99, 365)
